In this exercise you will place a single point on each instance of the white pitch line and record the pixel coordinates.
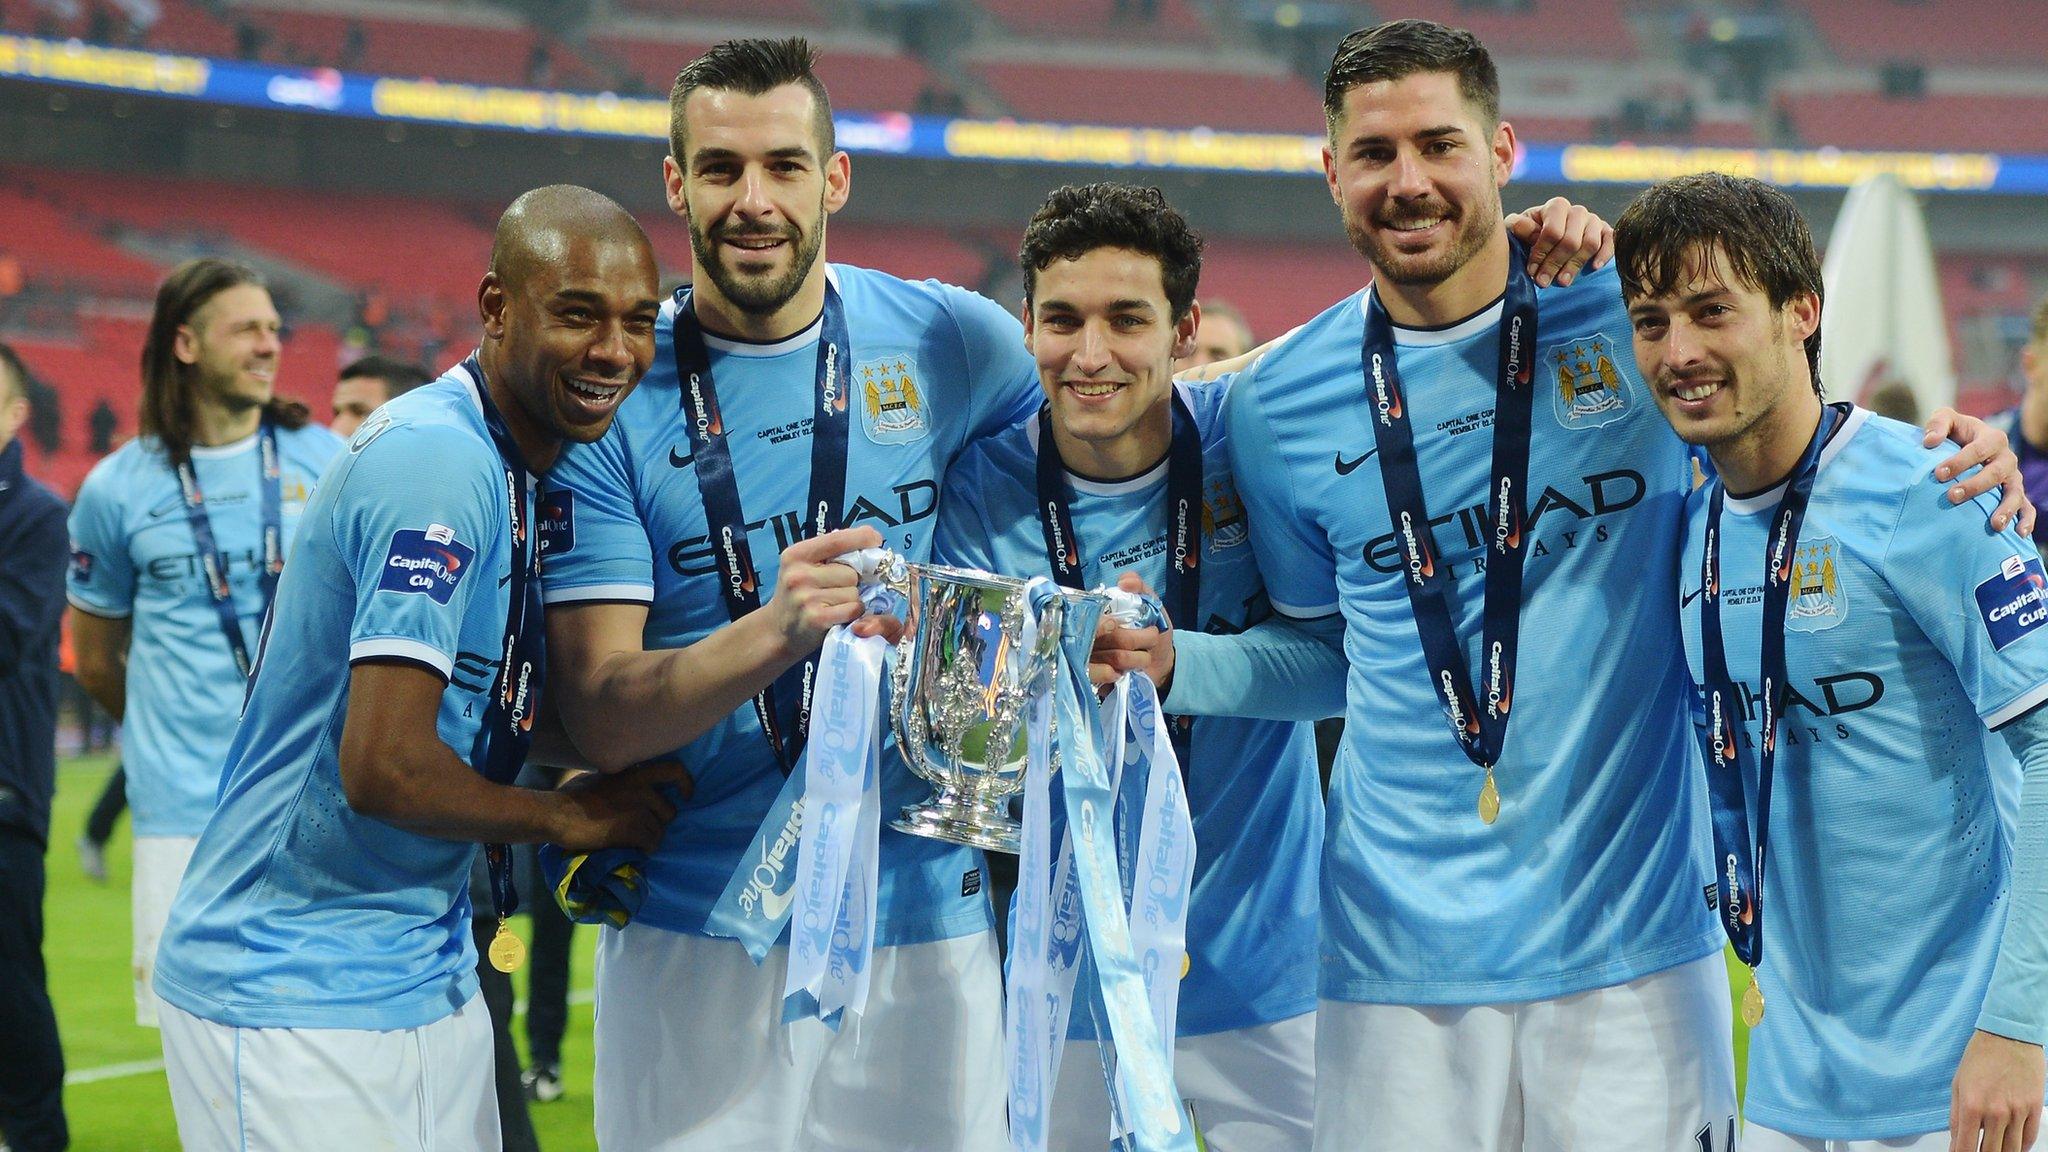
(112, 1072)
(145, 1067)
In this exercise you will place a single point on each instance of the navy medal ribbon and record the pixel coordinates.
(507, 729)
(718, 485)
(1742, 832)
(1481, 732)
(215, 565)
(1183, 528)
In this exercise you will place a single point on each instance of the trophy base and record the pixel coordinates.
(978, 822)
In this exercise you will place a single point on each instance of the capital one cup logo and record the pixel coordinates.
(1781, 563)
(1518, 371)
(739, 573)
(1507, 528)
(702, 416)
(1499, 691)
(1386, 396)
(1421, 565)
(1724, 736)
(1062, 548)
(1455, 707)
(1711, 586)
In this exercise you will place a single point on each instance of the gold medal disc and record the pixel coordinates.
(1187, 960)
(1489, 800)
(1752, 1004)
(508, 952)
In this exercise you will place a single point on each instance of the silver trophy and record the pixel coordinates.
(974, 653)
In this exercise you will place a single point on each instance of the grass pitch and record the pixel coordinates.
(115, 1094)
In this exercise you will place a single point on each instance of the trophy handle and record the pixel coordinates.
(899, 696)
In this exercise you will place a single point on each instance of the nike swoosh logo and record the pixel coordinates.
(1347, 467)
(681, 461)
(1689, 597)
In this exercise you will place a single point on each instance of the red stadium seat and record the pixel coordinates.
(1164, 97)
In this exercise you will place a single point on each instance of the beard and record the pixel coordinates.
(758, 294)
(1468, 237)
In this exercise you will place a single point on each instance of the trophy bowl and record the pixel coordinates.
(965, 671)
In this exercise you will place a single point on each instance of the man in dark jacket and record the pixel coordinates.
(32, 553)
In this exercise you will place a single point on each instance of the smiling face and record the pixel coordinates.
(574, 333)
(1417, 172)
(232, 346)
(756, 192)
(1725, 365)
(1105, 339)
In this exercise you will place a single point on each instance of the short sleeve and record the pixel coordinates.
(962, 538)
(593, 544)
(417, 524)
(1294, 558)
(1980, 595)
(101, 579)
(1003, 388)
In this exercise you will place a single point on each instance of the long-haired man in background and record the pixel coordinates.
(177, 540)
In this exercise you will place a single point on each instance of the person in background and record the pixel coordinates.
(1224, 335)
(32, 551)
(177, 540)
(367, 385)
(100, 424)
(2027, 423)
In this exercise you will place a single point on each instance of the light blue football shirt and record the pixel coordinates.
(1595, 873)
(1252, 785)
(133, 557)
(1913, 629)
(933, 367)
(298, 912)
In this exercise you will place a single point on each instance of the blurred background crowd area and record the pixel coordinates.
(373, 232)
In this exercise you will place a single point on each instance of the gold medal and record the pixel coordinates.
(507, 952)
(1187, 961)
(1489, 800)
(1752, 1003)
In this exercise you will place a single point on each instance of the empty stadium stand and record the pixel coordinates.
(1961, 32)
(1163, 97)
(1945, 122)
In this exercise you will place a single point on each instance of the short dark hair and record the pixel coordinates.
(752, 67)
(1755, 225)
(398, 376)
(1402, 48)
(1077, 219)
(169, 409)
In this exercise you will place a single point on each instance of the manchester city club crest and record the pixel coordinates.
(1589, 384)
(1816, 601)
(892, 406)
(1223, 522)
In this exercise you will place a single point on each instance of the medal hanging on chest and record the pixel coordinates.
(1481, 732)
(1742, 828)
(506, 733)
(718, 486)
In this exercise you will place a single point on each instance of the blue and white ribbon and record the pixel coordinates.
(831, 937)
(1144, 1072)
(1163, 872)
(1032, 1001)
